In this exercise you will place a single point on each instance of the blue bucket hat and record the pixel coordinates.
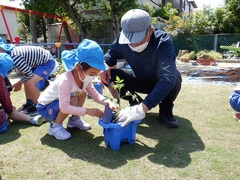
(88, 51)
(6, 64)
(6, 47)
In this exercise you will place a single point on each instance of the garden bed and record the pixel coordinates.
(227, 75)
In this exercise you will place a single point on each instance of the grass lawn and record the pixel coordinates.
(205, 146)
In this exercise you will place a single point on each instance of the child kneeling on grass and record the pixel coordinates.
(234, 101)
(8, 111)
(67, 94)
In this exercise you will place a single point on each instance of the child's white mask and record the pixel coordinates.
(86, 80)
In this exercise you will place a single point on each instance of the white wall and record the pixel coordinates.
(10, 17)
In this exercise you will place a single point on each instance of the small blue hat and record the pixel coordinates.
(6, 47)
(6, 64)
(69, 59)
(88, 51)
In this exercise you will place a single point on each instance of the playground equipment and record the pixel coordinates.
(64, 24)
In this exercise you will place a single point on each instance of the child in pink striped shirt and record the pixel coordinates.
(66, 95)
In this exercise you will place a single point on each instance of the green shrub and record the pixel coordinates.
(208, 55)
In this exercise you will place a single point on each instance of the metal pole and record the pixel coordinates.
(215, 42)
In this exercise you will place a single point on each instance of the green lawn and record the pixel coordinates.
(205, 146)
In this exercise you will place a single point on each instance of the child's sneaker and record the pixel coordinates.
(78, 123)
(32, 111)
(37, 120)
(237, 117)
(59, 132)
(24, 107)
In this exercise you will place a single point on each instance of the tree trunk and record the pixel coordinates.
(76, 17)
(66, 31)
(44, 30)
(33, 29)
(115, 22)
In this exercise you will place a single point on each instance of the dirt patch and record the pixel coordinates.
(227, 75)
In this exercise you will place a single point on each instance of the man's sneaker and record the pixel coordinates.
(24, 107)
(78, 123)
(37, 120)
(59, 132)
(237, 117)
(32, 111)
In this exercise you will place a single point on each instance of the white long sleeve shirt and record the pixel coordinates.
(63, 88)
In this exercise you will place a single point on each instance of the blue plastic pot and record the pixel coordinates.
(114, 134)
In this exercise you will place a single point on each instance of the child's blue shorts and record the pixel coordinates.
(49, 111)
(44, 70)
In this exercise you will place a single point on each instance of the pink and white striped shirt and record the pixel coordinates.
(63, 88)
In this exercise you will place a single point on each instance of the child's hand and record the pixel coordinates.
(112, 105)
(17, 86)
(94, 112)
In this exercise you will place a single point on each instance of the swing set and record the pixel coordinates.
(44, 15)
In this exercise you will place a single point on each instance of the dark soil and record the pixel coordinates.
(232, 75)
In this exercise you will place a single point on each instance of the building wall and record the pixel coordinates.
(11, 19)
(180, 5)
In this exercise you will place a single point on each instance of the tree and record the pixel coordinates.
(24, 21)
(86, 15)
(23, 32)
(118, 8)
(203, 21)
(233, 14)
(221, 23)
(96, 19)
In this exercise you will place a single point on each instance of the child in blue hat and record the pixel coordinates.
(36, 64)
(8, 111)
(234, 100)
(66, 95)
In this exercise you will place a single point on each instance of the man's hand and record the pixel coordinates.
(104, 75)
(130, 114)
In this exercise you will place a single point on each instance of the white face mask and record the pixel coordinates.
(87, 78)
(139, 48)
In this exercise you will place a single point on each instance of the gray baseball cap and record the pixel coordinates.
(134, 24)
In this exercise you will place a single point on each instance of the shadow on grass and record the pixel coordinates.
(12, 132)
(173, 146)
(83, 145)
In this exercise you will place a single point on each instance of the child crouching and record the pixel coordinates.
(67, 94)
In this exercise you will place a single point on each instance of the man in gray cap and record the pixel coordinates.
(150, 53)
